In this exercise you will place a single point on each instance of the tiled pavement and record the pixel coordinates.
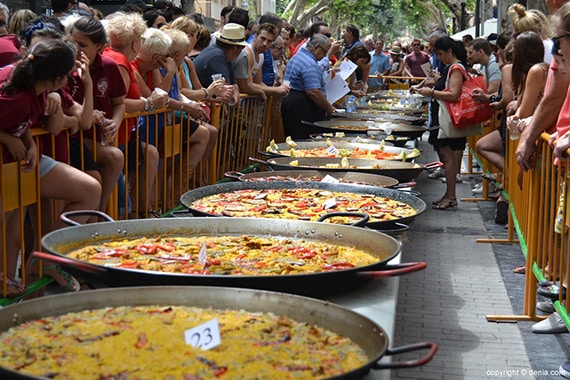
(465, 281)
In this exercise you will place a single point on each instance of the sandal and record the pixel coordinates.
(13, 288)
(445, 204)
(438, 200)
(520, 270)
(64, 279)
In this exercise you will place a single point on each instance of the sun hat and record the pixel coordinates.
(233, 34)
(395, 50)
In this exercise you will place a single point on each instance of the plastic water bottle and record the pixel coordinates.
(351, 103)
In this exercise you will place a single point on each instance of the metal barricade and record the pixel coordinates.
(538, 214)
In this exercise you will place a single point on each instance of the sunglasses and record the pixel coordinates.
(415, 44)
(328, 35)
(556, 43)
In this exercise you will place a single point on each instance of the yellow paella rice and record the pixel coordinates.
(147, 342)
(224, 255)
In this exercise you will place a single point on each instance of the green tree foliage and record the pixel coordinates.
(387, 18)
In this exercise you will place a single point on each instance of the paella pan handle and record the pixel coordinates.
(410, 363)
(433, 165)
(234, 175)
(364, 218)
(267, 164)
(395, 270)
(68, 262)
(65, 217)
(405, 184)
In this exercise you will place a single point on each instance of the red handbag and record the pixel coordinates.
(466, 111)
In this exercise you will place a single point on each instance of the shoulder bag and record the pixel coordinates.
(466, 111)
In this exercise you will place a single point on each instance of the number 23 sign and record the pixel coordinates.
(204, 336)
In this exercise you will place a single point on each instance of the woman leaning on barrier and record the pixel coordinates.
(29, 88)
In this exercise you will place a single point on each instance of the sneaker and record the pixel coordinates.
(438, 173)
(564, 370)
(545, 307)
(477, 189)
(490, 176)
(551, 325)
(458, 179)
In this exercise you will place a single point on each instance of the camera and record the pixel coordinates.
(494, 99)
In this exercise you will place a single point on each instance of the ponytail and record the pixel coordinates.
(47, 61)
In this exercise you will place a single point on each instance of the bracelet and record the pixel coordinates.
(205, 92)
(145, 105)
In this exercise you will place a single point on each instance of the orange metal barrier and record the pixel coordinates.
(537, 202)
(243, 131)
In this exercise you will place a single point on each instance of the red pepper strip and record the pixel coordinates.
(129, 264)
(148, 249)
(276, 248)
(114, 252)
(338, 266)
(240, 256)
(307, 255)
(142, 340)
(169, 247)
(258, 208)
(211, 262)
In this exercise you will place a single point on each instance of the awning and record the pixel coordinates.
(488, 27)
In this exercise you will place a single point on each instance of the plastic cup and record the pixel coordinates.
(216, 77)
(106, 138)
(512, 124)
(287, 82)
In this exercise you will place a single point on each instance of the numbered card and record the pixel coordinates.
(329, 179)
(332, 149)
(204, 336)
(330, 203)
(202, 255)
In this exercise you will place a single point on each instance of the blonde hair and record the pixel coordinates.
(529, 21)
(20, 20)
(123, 29)
(180, 41)
(185, 24)
(155, 42)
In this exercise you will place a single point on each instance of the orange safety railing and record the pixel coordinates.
(538, 215)
(242, 131)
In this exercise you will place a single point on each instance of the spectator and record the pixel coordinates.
(479, 51)
(414, 61)
(535, 21)
(450, 147)
(108, 101)
(125, 38)
(61, 7)
(216, 59)
(368, 42)
(267, 75)
(19, 20)
(250, 31)
(154, 19)
(277, 51)
(307, 100)
(467, 39)
(379, 65)
(171, 13)
(203, 39)
(350, 36)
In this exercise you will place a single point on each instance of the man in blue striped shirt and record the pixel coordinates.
(307, 100)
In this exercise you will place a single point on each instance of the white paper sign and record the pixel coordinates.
(347, 67)
(336, 88)
(329, 179)
(330, 203)
(202, 255)
(204, 336)
(332, 149)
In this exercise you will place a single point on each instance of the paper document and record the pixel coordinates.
(346, 67)
(427, 69)
(336, 88)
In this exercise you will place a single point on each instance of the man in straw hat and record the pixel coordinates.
(217, 59)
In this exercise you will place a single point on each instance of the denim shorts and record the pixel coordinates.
(46, 165)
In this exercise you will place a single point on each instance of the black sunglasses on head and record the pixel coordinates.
(556, 43)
